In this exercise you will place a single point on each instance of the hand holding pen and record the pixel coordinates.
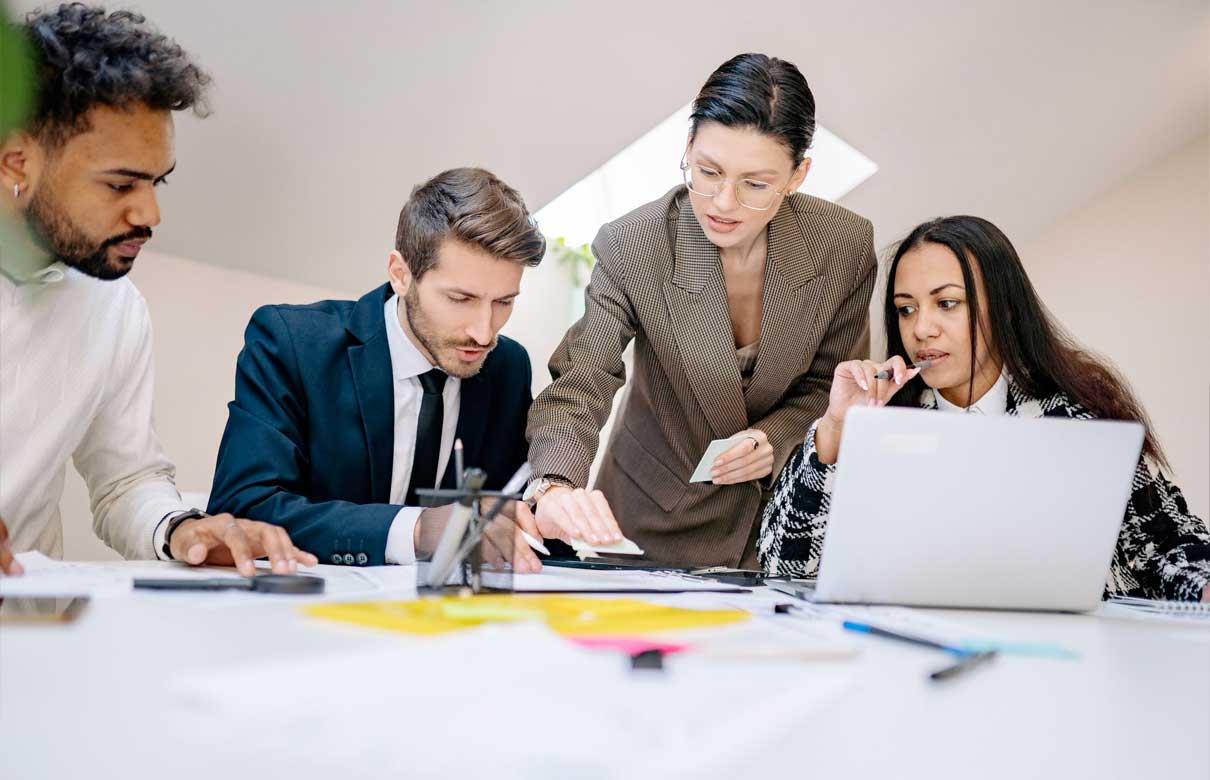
(867, 383)
(859, 383)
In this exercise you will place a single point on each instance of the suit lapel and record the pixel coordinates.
(697, 306)
(790, 264)
(370, 362)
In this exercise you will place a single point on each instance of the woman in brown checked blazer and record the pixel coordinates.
(741, 296)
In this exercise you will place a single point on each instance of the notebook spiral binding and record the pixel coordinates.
(1190, 609)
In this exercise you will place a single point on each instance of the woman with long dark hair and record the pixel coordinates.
(959, 297)
(741, 295)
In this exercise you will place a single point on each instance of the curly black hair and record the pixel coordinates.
(85, 56)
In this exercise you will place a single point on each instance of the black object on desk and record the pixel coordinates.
(968, 662)
(745, 577)
(648, 660)
(609, 564)
(297, 584)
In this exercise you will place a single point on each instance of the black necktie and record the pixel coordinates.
(428, 435)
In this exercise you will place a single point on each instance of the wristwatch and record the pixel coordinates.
(538, 488)
(190, 514)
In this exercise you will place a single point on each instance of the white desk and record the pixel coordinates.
(102, 698)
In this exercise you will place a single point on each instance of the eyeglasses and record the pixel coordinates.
(750, 193)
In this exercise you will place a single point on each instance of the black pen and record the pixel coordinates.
(886, 373)
(969, 662)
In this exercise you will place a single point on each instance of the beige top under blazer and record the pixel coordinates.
(658, 281)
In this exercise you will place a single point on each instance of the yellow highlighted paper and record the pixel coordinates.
(567, 615)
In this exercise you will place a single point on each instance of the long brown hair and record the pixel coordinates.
(1042, 358)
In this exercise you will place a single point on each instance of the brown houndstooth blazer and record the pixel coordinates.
(658, 281)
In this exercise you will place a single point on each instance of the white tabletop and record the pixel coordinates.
(154, 685)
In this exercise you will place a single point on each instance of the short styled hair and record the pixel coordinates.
(472, 206)
(84, 57)
(763, 93)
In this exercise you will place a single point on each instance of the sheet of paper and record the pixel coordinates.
(918, 623)
(713, 450)
(573, 580)
(46, 577)
(505, 678)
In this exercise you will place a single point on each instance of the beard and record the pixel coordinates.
(65, 241)
(437, 346)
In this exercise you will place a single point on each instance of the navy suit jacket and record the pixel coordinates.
(311, 433)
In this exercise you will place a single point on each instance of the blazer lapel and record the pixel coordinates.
(697, 306)
(790, 264)
(370, 362)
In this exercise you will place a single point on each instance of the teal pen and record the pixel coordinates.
(966, 659)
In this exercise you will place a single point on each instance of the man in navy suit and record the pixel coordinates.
(343, 408)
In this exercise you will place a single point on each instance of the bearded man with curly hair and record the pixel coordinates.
(75, 338)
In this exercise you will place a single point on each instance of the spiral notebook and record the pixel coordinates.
(1148, 608)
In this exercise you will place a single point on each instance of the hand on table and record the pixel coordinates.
(225, 540)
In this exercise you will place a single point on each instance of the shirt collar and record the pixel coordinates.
(993, 403)
(51, 274)
(406, 360)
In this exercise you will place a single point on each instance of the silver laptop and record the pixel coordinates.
(962, 510)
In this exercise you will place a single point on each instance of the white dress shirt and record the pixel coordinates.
(76, 382)
(407, 364)
(993, 403)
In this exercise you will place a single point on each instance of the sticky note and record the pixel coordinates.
(713, 450)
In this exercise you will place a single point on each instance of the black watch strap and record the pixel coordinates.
(172, 525)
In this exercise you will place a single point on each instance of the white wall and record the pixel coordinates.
(1128, 274)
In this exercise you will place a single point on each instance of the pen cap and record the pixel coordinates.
(472, 482)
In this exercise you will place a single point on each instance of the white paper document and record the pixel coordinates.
(50, 578)
(565, 579)
(700, 717)
(46, 577)
(713, 450)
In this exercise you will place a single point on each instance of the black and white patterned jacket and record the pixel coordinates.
(1163, 551)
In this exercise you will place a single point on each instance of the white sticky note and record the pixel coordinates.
(585, 550)
(716, 448)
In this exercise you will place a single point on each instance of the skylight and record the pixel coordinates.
(647, 169)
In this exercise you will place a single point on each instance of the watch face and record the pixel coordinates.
(535, 490)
